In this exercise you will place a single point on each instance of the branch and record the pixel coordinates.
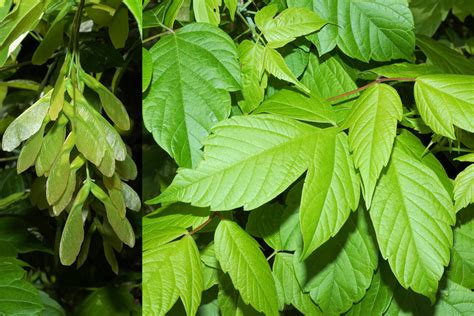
(378, 80)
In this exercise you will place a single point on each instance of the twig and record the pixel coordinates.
(378, 80)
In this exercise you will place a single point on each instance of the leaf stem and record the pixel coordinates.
(272, 255)
(370, 84)
(9, 158)
(153, 37)
(452, 149)
(211, 217)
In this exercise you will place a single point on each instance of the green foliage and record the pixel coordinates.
(64, 132)
(338, 138)
(366, 151)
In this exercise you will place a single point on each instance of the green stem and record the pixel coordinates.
(452, 149)
(9, 158)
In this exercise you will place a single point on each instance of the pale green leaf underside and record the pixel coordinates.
(325, 273)
(464, 188)
(366, 30)
(248, 161)
(445, 101)
(372, 130)
(239, 255)
(412, 213)
(193, 70)
(330, 192)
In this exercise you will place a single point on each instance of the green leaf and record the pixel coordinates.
(464, 188)
(445, 101)
(26, 125)
(18, 234)
(59, 176)
(412, 145)
(251, 56)
(288, 287)
(107, 301)
(147, 69)
(275, 65)
(298, 106)
(336, 82)
(428, 14)
(232, 6)
(412, 213)
(19, 297)
(463, 8)
(372, 129)
(73, 232)
(240, 256)
(288, 25)
(18, 23)
(175, 109)
(170, 271)
(277, 146)
(51, 307)
(403, 70)
(455, 300)
(207, 11)
(324, 273)
(461, 269)
(165, 13)
(445, 58)
(388, 24)
(135, 6)
(118, 28)
(330, 192)
(277, 225)
(377, 299)
(230, 302)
